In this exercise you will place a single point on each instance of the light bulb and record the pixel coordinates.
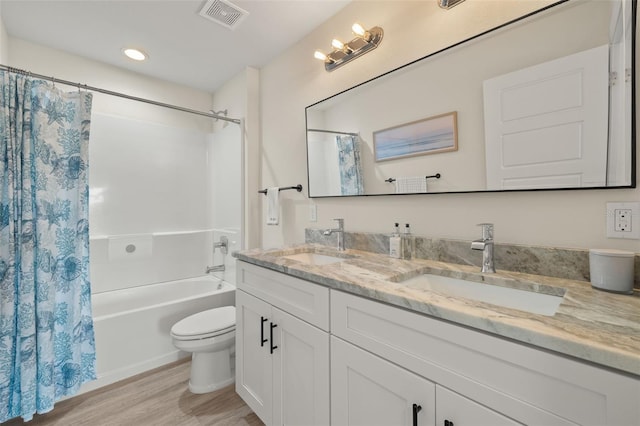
(319, 55)
(337, 44)
(358, 29)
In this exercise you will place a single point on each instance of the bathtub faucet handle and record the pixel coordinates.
(223, 245)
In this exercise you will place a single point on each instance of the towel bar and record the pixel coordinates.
(298, 188)
(437, 176)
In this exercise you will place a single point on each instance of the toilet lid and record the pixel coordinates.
(206, 322)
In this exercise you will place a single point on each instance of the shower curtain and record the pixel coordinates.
(349, 165)
(47, 347)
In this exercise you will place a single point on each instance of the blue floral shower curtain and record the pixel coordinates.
(47, 347)
(350, 166)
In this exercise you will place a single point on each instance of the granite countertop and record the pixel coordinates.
(592, 325)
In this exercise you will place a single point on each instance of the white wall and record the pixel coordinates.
(412, 29)
(43, 60)
(4, 41)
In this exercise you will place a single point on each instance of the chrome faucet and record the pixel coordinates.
(223, 245)
(340, 231)
(486, 245)
(215, 268)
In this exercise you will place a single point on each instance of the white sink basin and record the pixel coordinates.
(523, 300)
(315, 258)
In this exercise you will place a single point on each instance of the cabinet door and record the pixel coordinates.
(367, 390)
(300, 372)
(253, 360)
(455, 410)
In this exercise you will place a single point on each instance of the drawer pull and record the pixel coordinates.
(262, 339)
(448, 423)
(416, 410)
(271, 337)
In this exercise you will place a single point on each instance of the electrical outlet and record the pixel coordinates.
(313, 213)
(623, 220)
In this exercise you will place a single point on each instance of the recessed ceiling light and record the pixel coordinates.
(135, 54)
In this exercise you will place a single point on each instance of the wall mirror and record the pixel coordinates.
(543, 102)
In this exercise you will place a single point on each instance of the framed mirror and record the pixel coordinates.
(543, 102)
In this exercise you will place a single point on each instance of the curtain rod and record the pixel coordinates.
(120, 95)
(332, 131)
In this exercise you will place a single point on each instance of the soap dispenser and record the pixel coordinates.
(407, 243)
(395, 243)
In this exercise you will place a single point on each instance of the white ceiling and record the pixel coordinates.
(183, 47)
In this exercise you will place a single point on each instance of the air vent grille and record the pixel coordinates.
(448, 4)
(224, 13)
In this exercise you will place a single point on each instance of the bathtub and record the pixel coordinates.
(132, 325)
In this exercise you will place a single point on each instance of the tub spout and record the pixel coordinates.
(215, 268)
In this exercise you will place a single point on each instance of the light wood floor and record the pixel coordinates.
(159, 398)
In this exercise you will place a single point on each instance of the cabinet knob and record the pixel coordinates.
(416, 409)
(271, 337)
(262, 339)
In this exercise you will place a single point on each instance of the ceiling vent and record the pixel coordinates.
(224, 13)
(448, 4)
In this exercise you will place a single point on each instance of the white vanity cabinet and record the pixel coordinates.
(454, 409)
(282, 347)
(370, 391)
(309, 355)
(479, 379)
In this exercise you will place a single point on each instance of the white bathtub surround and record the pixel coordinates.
(169, 256)
(130, 247)
(146, 176)
(132, 325)
(234, 241)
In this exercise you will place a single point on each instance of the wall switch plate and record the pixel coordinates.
(313, 213)
(623, 220)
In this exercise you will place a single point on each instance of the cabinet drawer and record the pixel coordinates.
(530, 385)
(460, 411)
(305, 300)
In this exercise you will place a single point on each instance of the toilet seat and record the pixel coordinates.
(205, 324)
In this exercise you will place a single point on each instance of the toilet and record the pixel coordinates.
(210, 337)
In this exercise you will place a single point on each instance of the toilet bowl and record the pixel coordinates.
(210, 336)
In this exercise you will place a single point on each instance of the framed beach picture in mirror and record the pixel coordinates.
(427, 136)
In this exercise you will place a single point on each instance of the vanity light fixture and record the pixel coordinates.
(365, 41)
(135, 54)
(360, 31)
(319, 55)
(337, 44)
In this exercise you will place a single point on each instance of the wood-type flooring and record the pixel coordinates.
(156, 398)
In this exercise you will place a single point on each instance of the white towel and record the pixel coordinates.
(406, 185)
(273, 206)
